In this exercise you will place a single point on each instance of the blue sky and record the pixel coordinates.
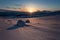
(42, 4)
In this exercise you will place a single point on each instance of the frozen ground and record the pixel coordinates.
(43, 28)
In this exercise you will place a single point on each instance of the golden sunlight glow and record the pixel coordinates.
(30, 8)
(31, 11)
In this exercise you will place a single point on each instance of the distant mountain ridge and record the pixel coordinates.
(8, 13)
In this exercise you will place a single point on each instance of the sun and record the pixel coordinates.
(31, 11)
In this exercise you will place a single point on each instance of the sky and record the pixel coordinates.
(26, 4)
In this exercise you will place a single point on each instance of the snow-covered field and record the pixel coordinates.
(43, 28)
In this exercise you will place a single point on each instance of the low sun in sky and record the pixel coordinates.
(31, 11)
(30, 8)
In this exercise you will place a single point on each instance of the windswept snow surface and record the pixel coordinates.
(42, 28)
